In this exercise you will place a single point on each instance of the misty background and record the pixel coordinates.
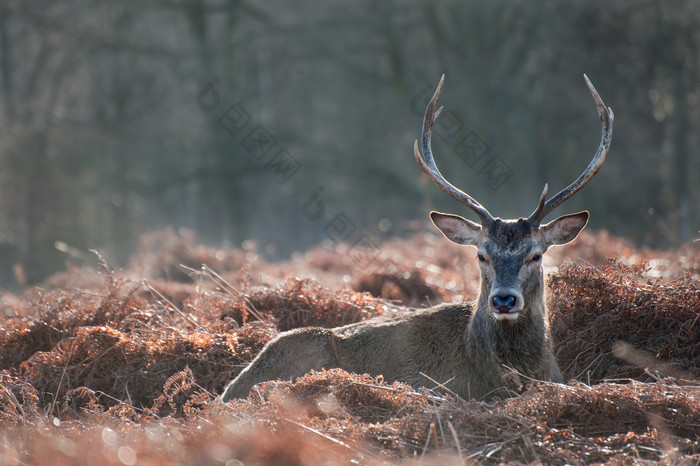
(279, 125)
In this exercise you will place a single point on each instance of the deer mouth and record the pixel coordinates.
(505, 315)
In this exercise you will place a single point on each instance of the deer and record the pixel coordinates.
(472, 350)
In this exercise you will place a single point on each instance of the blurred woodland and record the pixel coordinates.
(276, 126)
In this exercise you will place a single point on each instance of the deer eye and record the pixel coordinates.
(536, 258)
(481, 257)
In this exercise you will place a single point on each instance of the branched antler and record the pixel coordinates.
(606, 121)
(427, 162)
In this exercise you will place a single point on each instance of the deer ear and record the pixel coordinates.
(457, 229)
(564, 229)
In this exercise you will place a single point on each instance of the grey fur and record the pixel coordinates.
(463, 345)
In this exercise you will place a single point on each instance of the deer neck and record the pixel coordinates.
(517, 343)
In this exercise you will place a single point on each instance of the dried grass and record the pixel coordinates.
(125, 368)
(593, 308)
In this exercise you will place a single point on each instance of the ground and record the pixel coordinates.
(124, 367)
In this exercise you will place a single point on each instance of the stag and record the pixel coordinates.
(471, 349)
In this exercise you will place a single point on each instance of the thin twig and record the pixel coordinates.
(456, 439)
(317, 432)
(175, 308)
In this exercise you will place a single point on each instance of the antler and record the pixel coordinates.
(427, 163)
(606, 121)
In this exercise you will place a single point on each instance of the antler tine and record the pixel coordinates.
(540, 205)
(606, 122)
(427, 163)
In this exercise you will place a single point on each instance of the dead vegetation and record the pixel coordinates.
(595, 310)
(103, 367)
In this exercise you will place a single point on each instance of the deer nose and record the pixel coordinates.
(504, 303)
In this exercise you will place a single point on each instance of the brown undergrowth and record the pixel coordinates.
(124, 367)
(597, 312)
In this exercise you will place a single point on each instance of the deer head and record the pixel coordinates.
(510, 251)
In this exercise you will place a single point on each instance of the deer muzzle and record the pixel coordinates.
(505, 303)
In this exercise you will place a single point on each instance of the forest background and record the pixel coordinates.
(275, 125)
